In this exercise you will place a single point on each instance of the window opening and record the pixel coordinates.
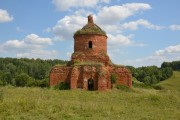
(90, 44)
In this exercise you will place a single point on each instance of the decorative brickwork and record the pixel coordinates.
(90, 66)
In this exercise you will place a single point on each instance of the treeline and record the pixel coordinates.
(26, 72)
(175, 65)
(35, 72)
(151, 74)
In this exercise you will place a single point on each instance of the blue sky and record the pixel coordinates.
(140, 32)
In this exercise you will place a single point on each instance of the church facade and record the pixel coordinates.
(90, 67)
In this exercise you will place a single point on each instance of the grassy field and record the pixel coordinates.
(49, 104)
(172, 83)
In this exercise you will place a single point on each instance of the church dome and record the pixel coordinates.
(90, 28)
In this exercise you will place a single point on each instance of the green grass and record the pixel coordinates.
(49, 104)
(173, 83)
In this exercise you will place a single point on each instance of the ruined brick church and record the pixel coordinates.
(90, 67)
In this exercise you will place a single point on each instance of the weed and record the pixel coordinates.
(1, 95)
(122, 87)
(113, 78)
(63, 86)
(157, 87)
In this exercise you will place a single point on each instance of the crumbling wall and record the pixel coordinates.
(123, 76)
(59, 74)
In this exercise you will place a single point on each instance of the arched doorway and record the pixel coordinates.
(90, 84)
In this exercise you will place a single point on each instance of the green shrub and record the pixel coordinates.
(113, 78)
(22, 80)
(1, 95)
(122, 87)
(137, 83)
(157, 87)
(43, 83)
(38, 83)
(76, 61)
(1, 83)
(31, 83)
(63, 86)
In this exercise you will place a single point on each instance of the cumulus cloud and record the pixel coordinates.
(113, 14)
(169, 50)
(35, 39)
(119, 40)
(133, 25)
(174, 27)
(31, 46)
(43, 54)
(170, 53)
(65, 27)
(4, 16)
(63, 5)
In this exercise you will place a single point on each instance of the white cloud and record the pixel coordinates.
(121, 40)
(63, 5)
(169, 50)
(174, 27)
(32, 46)
(111, 28)
(35, 39)
(65, 27)
(15, 44)
(114, 52)
(114, 14)
(4, 16)
(108, 18)
(39, 53)
(170, 53)
(133, 25)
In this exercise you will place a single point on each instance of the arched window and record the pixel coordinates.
(90, 44)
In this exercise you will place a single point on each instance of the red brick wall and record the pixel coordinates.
(81, 74)
(99, 44)
(123, 76)
(78, 76)
(59, 74)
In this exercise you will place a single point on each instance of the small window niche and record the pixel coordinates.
(90, 44)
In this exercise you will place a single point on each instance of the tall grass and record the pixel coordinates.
(44, 104)
(173, 82)
(1, 95)
(37, 103)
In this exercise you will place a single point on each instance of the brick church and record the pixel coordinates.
(90, 67)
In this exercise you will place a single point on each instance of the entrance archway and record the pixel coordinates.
(90, 84)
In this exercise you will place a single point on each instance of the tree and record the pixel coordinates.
(167, 72)
(175, 65)
(37, 69)
(147, 80)
(22, 80)
(154, 80)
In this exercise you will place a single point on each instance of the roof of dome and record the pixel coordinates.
(90, 28)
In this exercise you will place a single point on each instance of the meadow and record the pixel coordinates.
(26, 103)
